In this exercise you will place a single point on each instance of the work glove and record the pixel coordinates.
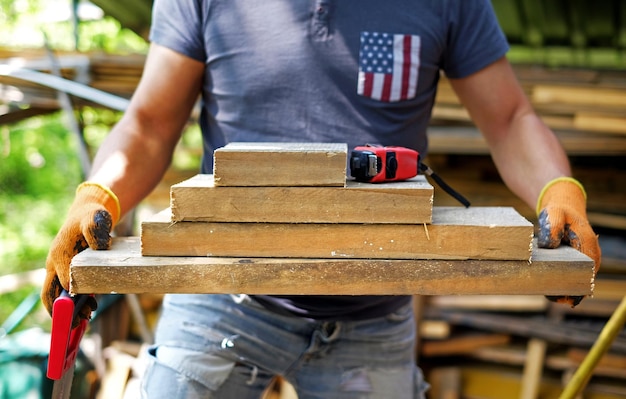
(561, 209)
(91, 217)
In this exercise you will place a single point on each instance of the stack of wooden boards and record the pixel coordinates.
(513, 346)
(312, 232)
(306, 230)
(293, 201)
(584, 107)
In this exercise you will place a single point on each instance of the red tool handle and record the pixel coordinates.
(65, 341)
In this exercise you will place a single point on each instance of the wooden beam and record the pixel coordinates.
(563, 333)
(198, 200)
(124, 270)
(533, 368)
(456, 233)
(463, 344)
(281, 164)
(66, 86)
(516, 356)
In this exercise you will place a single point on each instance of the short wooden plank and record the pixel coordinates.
(124, 270)
(198, 200)
(433, 329)
(445, 383)
(588, 121)
(456, 233)
(281, 164)
(463, 344)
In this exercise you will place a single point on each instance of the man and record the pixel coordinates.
(318, 71)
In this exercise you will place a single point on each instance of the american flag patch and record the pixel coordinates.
(388, 66)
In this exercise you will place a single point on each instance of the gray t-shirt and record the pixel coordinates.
(356, 72)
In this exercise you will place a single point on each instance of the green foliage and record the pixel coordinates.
(97, 123)
(10, 302)
(10, 10)
(102, 35)
(26, 23)
(37, 179)
(39, 171)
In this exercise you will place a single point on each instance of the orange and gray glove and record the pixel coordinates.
(561, 209)
(91, 217)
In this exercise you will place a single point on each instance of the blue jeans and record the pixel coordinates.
(222, 346)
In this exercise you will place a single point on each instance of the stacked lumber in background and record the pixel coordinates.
(525, 346)
(518, 346)
(586, 108)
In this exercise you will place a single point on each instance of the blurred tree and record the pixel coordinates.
(135, 15)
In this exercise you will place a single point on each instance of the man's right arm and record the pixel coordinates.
(134, 156)
(128, 165)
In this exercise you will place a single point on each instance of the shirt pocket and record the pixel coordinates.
(388, 66)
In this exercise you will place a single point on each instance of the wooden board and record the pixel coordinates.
(583, 97)
(516, 356)
(124, 270)
(462, 344)
(468, 140)
(197, 199)
(567, 332)
(281, 164)
(455, 233)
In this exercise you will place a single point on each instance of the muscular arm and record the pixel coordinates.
(525, 151)
(138, 150)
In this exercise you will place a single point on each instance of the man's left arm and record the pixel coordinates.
(529, 157)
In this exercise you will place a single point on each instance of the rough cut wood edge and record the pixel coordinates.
(198, 200)
(281, 164)
(456, 233)
(561, 271)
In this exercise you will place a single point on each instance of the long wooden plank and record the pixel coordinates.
(124, 270)
(197, 199)
(563, 333)
(456, 233)
(516, 356)
(468, 140)
(581, 96)
(281, 164)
